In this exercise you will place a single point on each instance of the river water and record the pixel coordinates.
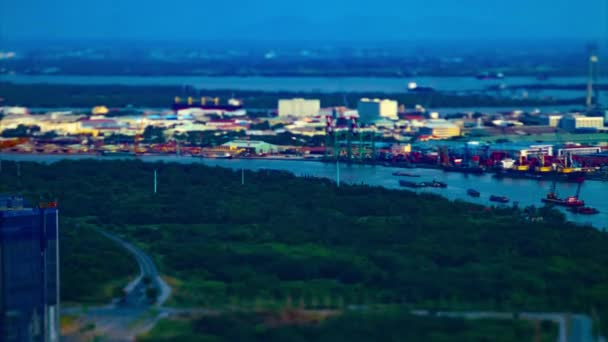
(316, 84)
(524, 191)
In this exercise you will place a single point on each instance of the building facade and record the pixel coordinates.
(253, 146)
(372, 110)
(572, 123)
(299, 107)
(440, 129)
(29, 271)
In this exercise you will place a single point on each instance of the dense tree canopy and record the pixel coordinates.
(281, 240)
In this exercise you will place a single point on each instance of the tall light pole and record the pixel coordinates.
(155, 181)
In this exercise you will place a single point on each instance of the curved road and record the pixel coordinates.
(135, 290)
(124, 319)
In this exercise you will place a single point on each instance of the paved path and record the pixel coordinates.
(125, 318)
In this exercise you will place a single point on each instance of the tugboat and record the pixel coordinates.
(584, 210)
(499, 199)
(473, 193)
(570, 201)
(404, 174)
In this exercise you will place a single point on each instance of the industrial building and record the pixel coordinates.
(440, 129)
(575, 122)
(299, 107)
(372, 110)
(29, 271)
(253, 146)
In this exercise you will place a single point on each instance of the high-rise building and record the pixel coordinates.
(29, 271)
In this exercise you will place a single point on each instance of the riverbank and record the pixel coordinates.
(525, 192)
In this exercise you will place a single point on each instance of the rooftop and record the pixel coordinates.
(11, 202)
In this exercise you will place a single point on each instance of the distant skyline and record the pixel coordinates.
(333, 20)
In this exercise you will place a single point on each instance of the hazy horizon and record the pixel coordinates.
(314, 20)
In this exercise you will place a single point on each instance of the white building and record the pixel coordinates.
(372, 110)
(299, 107)
(575, 122)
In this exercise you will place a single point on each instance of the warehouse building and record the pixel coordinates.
(253, 146)
(440, 129)
(372, 110)
(575, 122)
(299, 107)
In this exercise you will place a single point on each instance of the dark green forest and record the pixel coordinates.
(352, 327)
(283, 241)
(93, 269)
(50, 95)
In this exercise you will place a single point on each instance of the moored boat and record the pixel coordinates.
(473, 193)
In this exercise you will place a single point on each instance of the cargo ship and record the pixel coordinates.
(570, 201)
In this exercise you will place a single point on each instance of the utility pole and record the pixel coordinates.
(155, 181)
(338, 172)
(242, 176)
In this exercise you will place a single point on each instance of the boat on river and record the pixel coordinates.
(473, 193)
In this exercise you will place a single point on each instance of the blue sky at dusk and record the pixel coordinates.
(310, 20)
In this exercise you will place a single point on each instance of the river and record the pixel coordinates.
(524, 191)
(316, 84)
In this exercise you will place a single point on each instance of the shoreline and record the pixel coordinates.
(523, 191)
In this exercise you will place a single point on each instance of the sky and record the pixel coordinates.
(332, 20)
